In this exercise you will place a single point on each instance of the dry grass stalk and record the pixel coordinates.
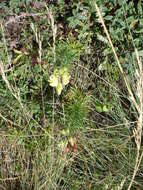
(121, 184)
(51, 142)
(137, 102)
(116, 58)
(11, 89)
(2, 72)
(138, 130)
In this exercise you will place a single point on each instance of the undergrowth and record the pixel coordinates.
(71, 95)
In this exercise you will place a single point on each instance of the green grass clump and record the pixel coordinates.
(76, 110)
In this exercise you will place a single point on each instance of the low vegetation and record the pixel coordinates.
(71, 95)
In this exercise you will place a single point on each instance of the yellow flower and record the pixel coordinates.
(59, 79)
(63, 70)
(59, 88)
(53, 80)
(65, 78)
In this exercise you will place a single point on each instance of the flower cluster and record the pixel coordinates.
(59, 79)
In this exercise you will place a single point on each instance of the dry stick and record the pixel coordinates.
(40, 60)
(116, 58)
(9, 179)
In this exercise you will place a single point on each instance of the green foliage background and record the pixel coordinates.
(94, 108)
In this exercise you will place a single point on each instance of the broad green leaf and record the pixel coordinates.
(99, 108)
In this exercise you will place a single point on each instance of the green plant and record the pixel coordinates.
(76, 110)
